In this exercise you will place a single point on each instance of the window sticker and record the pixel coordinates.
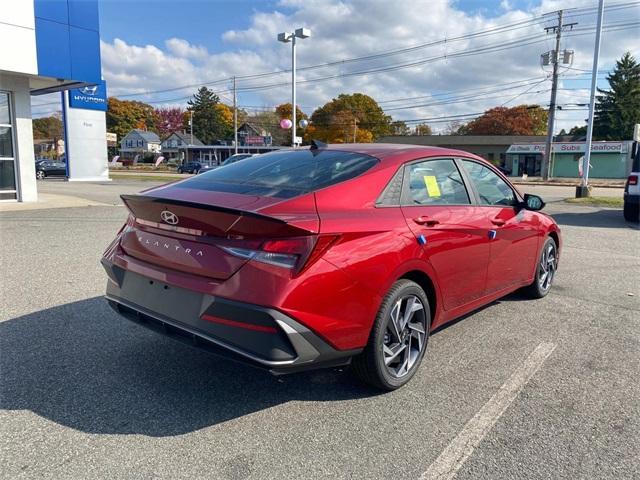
(432, 186)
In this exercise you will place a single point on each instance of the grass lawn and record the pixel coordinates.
(598, 201)
(150, 178)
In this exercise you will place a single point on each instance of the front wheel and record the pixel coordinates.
(40, 174)
(179, 170)
(398, 340)
(545, 270)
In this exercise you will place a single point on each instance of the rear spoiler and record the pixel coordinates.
(209, 219)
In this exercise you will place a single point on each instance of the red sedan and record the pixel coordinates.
(331, 255)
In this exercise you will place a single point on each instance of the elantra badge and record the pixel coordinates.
(169, 217)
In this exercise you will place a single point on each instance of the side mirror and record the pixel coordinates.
(532, 202)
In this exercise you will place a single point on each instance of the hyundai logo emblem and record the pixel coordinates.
(169, 217)
(90, 90)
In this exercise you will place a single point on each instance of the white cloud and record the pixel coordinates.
(181, 48)
(352, 28)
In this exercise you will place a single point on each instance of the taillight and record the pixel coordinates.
(632, 180)
(291, 253)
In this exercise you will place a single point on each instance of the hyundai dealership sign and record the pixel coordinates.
(92, 97)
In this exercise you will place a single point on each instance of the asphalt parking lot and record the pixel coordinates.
(519, 389)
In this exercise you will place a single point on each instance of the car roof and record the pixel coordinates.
(399, 153)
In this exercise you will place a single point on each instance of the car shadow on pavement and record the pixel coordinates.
(82, 366)
(604, 218)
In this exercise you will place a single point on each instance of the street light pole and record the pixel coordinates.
(235, 117)
(287, 37)
(293, 91)
(583, 189)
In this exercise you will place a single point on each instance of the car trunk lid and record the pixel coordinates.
(192, 231)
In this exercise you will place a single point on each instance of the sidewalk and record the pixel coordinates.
(50, 200)
(569, 182)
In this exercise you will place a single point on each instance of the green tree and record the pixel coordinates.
(423, 129)
(168, 120)
(210, 122)
(520, 120)
(347, 116)
(399, 127)
(49, 128)
(577, 132)
(618, 109)
(125, 115)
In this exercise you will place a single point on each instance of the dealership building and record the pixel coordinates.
(50, 46)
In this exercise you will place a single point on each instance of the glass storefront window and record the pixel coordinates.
(7, 175)
(6, 143)
(5, 117)
(7, 159)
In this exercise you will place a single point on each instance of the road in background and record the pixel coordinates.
(87, 394)
(109, 192)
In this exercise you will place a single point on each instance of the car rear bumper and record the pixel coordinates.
(260, 336)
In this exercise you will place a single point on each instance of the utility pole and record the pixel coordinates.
(583, 189)
(191, 124)
(235, 117)
(554, 58)
(355, 128)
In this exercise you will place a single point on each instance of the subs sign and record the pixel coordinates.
(92, 97)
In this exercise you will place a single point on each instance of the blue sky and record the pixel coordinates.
(203, 22)
(198, 21)
(149, 46)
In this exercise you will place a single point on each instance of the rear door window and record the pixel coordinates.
(436, 182)
(284, 174)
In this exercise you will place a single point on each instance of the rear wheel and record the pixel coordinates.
(398, 340)
(179, 170)
(545, 270)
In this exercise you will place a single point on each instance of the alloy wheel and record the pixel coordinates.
(548, 265)
(405, 336)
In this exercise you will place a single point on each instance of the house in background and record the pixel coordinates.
(253, 135)
(49, 148)
(138, 144)
(175, 147)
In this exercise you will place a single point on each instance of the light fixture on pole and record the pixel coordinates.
(287, 37)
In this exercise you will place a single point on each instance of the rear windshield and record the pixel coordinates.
(284, 174)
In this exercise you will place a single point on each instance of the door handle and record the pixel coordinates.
(498, 222)
(429, 222)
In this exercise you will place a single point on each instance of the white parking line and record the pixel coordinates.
(460, 449)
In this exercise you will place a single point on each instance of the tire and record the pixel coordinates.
(40, 174)
(545, 270)
(180, 171)
(631, 212)
(385, 363)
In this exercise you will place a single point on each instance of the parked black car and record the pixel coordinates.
(49, 168)
(207, 168)
(190, 167)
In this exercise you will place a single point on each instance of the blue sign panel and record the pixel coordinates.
(93, 97)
